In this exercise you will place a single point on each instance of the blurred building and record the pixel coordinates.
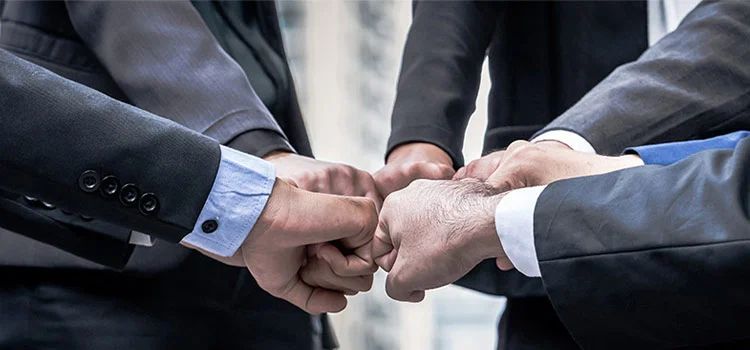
(345, 58)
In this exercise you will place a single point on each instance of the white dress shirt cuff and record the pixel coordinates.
(237, 198)
(573, 140)
(514, 222)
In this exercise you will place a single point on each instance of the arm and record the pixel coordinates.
(693, 83)
(166, 61)
(59, 142)
(437, 90)
(664, 260)
(440, 73)
(54, 130)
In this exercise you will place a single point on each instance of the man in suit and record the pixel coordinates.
(161, 57)
(693, 83)
(543, 57)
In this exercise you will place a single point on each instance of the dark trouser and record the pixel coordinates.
(532, 324)
(203, 305)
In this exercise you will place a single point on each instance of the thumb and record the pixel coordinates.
(503, 263)
(323, 218)
(400, 283)
(383, 249)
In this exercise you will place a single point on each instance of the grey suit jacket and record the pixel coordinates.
(694, 83)
(159, 56)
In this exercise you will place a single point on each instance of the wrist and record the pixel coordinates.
(276, 154)
(554, 143)
(274, 214)
(483, 241)
(419, 151)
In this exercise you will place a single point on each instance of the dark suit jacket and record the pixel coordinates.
(651, 257)
(543, 57)
(658, 253)
(55, 130)
(159, 56)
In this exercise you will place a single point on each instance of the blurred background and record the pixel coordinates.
(345, 57)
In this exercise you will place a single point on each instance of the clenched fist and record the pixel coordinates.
(433, 232)
(296, 231)
(413, 161)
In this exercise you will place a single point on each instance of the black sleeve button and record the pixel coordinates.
(89, 181)
(48, 205)
(209, 226)
(86, 218)
(129, 195)
(149, 204)
(110, 186)
(31, 200)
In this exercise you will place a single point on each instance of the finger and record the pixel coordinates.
(504, 264)
(314, 300)
(391, 179)
(364, 186)
(503, 179)
(312, 250)
(460, 174)
(349, 265)
(386, 261)
(399, 286)
(483, 170)
(382, 246)
(483, 167)
(318, 273)
(375, 196)
(324, 218)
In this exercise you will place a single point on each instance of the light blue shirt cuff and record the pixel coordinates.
(237, 198)
(672, 152)
(514, 222)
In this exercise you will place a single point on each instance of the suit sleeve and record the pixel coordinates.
(55, 134)
(650, 257)
(440, 73)
(166, 61)
(694, 83)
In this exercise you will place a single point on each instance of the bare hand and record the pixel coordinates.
(411, 162)
(294, 221)
(433, 232)
(528, 164)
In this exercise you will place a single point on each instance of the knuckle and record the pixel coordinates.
(412, 168)
(517, 144)
(367, 282)
(304, 180)
(272, 287)
(342, 170)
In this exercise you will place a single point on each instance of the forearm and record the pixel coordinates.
(440, 73)
(160, 174)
